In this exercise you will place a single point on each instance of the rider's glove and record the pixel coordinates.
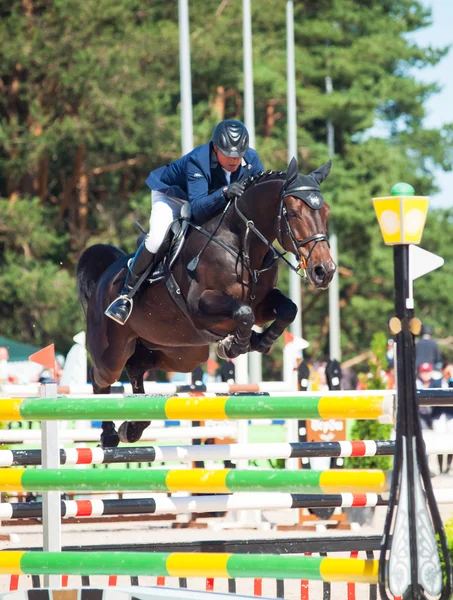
(234, 190)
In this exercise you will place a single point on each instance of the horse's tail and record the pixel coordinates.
(93, 262)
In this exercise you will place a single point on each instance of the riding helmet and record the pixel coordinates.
(231, 138)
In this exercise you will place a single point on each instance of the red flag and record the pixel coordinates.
(45, 357)
(212, 365)
(287, 337)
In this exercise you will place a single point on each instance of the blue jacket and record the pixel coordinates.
(199, 178)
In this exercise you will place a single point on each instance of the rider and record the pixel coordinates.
(208, 177)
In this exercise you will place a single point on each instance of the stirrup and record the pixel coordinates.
(112, 316)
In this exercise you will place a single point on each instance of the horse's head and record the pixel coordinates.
(303, 227)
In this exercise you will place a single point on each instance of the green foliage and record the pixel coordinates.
(374, 380)
(90, 103)
(448, 526)
(38, 302)
(29, 230)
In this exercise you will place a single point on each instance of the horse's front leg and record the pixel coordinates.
(225, 307)
(274, 306)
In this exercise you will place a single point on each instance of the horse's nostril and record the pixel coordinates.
(320, 272)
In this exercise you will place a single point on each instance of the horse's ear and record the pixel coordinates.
(292, 172)
(321, 173)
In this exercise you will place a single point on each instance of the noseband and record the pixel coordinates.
(283, 213)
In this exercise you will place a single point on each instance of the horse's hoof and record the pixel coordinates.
(225, 348)
(263, 348)
(221, 352)
(258, 344)
(110, 440)
(232, 352)
(131, 431)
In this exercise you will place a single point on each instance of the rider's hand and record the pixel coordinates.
(234, 190)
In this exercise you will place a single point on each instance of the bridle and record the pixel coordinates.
(250, 228)
(283, 213)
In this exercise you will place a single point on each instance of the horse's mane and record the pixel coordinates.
(263, 176)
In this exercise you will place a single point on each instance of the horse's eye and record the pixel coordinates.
(292, 214)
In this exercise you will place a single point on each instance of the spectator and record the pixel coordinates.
(427, 350)
(443, 415)
(390, 354)
(425, 380)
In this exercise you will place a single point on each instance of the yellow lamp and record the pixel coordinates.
(401, 216)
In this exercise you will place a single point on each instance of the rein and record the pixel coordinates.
(192, 266)
(210, 237)
(250, 226)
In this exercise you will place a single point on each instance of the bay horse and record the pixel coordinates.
(224, 292)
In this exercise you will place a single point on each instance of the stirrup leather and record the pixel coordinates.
(112, 316)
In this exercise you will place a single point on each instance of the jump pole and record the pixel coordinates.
(175, 505)
(215, 481)
(185, 564)
(146, 408)
(217, 452)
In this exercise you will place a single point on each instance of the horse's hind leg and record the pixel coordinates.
(109, 362)
(141, 361)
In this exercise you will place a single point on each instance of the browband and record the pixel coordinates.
(302, 188)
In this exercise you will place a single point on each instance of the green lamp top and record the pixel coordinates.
(402, 189)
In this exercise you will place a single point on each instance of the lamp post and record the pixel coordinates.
(411, 556)
(185, 77)
(253, 370)
(294, 278)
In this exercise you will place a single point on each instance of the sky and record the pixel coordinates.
(440, 106)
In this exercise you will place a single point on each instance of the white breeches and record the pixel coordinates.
(164, 210)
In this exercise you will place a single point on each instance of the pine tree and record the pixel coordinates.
(89, 104)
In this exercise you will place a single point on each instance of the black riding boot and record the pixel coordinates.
(121, 308)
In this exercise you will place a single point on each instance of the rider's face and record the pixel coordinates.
(229, 163)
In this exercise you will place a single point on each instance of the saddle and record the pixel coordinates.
(171, 246)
